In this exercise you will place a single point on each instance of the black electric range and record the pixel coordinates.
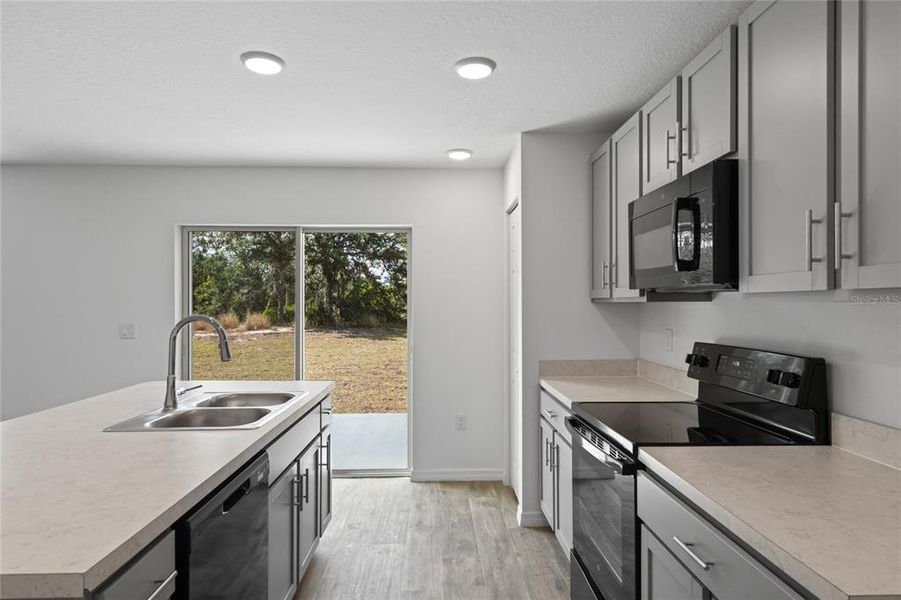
(745, 397)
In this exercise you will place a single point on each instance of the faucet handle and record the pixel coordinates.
(184, 390)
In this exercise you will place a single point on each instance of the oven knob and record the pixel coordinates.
(697, 360)
(784, 378)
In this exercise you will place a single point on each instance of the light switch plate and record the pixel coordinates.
(126, 331)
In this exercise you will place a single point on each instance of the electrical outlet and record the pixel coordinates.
(460, 422)
(126, 331)
(668, 337)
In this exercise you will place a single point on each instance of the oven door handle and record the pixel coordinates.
(692, 204)
(621, 466)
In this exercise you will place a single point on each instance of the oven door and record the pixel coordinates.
(604, 520)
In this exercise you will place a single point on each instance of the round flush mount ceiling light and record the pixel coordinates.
(475, 67)
(459, 153)
(263, 63)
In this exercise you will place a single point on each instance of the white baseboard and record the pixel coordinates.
(456, 475)
(530, 518)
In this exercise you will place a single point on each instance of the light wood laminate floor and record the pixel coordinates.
(394, 539)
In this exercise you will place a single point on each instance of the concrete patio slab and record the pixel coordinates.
(367, 442)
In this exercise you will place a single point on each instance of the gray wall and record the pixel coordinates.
(84, 248)
(860, 340)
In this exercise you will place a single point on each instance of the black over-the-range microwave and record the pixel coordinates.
(683, 237)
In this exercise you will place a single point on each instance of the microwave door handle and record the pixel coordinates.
(691, 204)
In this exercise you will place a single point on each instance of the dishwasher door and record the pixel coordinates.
(223, 544)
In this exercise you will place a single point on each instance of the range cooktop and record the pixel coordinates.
(745, 397)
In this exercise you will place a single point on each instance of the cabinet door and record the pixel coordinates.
(709, 125)
(564, 483)
(307, 514)
(660, 129)
(547, 472)
(283, 536)
(785, 109)
(625, 153)
(601, 187)
(662, 576)
(868, 247)
(325, 480)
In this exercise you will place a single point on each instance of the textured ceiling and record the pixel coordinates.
(366, 83)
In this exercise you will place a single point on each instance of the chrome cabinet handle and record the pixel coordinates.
(684, 132)
(158, 593)
(669, 137)
(552, 456)
(604, 277)
(306, 486)
(839, 215)
(547, 454)
(687, 549)
(551, 415)
(808, 239)
(327, 410)
(295, 492)
(614, 279)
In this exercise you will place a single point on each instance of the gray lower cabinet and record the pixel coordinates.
(325, 479)
(660, 137)
(556, 470)
(868, 214)
(546, 479)
(662, 576)
(307, 492)
(150, 576)
(786, 148)
(283, 536)
(709, 123)
(709, 556)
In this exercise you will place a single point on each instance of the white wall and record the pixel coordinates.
(84, 248)
(861, 341)
(558, 320)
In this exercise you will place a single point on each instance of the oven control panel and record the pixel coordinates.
(785, 378)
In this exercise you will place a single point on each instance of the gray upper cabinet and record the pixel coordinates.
(601, 187)
(660, 133)
(625, 152)
(868, 216)
(785, 133)
(709, 124)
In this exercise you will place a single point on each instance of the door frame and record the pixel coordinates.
(183, 285)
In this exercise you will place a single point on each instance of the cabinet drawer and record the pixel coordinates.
(325, 412)
(556, 414)
(150, 577)
(730, 572)
(288, 447)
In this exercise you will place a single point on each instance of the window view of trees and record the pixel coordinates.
(355, 311)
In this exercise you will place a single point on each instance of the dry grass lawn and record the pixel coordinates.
(369, 366)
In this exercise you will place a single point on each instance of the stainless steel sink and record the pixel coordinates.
(243, 399)
(208, 418)
(195, 418)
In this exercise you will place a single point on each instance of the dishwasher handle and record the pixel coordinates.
(236, 497)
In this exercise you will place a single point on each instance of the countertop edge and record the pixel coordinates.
(545, 383)
(63, 585)
(782, 559)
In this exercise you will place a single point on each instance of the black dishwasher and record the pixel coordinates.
(222, 546)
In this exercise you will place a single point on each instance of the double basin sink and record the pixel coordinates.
(205, 411)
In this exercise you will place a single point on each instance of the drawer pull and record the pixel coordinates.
(688, 551)
(165, 586)
(551, 415)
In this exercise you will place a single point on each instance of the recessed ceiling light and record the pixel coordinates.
(263, 63)
(475, 67)
(459, 153)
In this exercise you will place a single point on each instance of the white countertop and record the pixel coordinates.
(622, 388)
(78, 503)
(831, 520)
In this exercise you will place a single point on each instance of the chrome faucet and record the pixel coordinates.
(171, 402)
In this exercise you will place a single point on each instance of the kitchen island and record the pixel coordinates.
(78, 503)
